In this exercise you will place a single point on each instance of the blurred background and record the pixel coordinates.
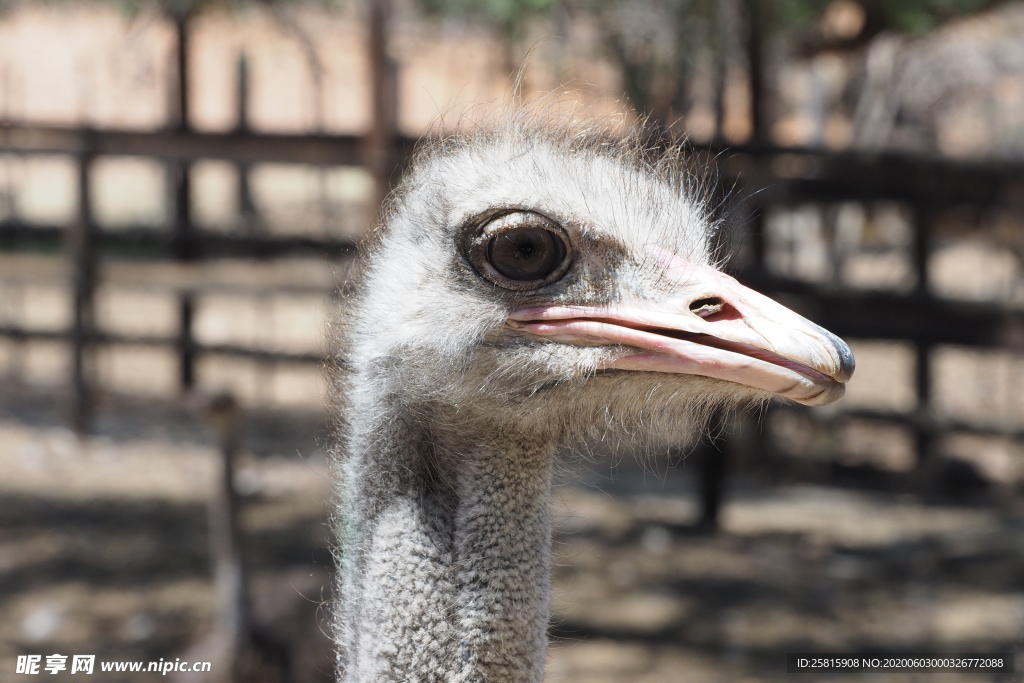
(183, 187)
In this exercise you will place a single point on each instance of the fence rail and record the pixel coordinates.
(156, 243)
(781, 174)
(109, 339)
(184, 145)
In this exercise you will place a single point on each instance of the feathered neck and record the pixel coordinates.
(444, 553)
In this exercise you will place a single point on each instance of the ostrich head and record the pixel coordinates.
(530, 284)
(566, 278)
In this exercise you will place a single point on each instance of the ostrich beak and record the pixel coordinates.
(712, 326)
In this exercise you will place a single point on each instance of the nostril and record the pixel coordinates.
(707, 306)
(714, 309)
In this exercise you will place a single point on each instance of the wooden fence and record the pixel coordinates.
(927, 186)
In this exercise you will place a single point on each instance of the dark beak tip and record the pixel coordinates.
(847, 363)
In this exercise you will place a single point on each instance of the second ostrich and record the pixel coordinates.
(532, 284)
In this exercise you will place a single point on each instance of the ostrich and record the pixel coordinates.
(535, 283)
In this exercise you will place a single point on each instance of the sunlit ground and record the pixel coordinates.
(104, 550)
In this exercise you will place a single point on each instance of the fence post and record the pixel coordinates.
(758, 239)
(81, 246)
(724, 19)
(178, 173)
(232, 630)
(923, 215)
(381, 140)
(759, 133)
(246, 205)
(713, 465)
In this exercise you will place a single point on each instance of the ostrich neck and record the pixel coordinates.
(446, 571)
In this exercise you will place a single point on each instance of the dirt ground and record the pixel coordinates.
(103, 550)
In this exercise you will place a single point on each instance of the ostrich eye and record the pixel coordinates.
(526, 254)
(518, 250)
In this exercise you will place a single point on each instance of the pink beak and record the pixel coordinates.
(711, 326)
